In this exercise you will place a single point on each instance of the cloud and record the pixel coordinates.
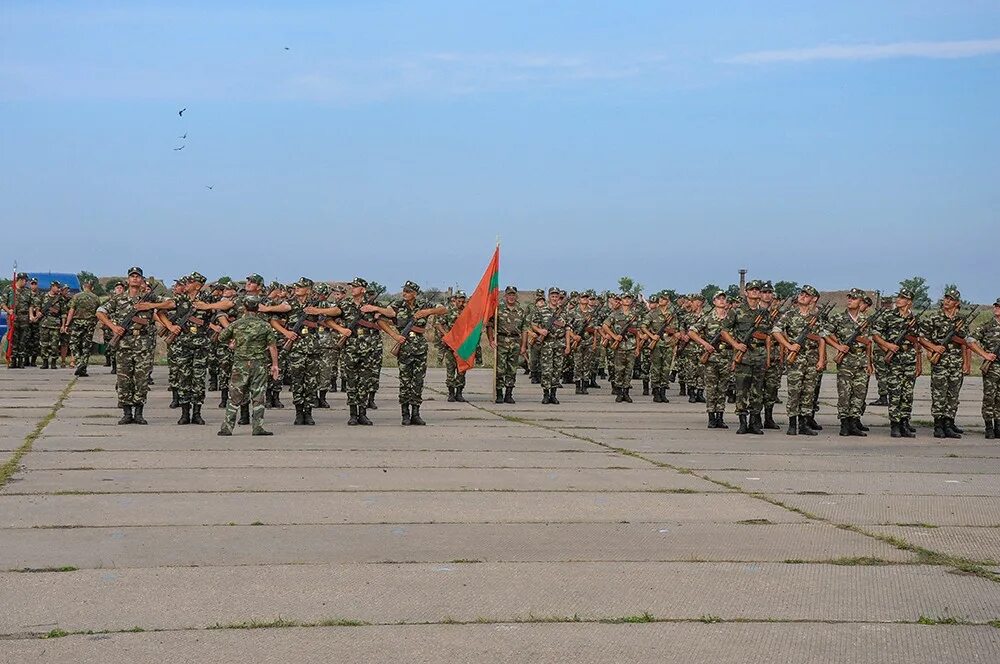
(939, 50)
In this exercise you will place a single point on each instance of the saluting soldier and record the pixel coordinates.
(300, 328)
(985, 342)
(80, 323)
(509, 344)
(411, 314)
(707, 333)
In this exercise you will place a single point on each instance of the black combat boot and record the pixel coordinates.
(856, 428)
(363, 416)
(508, 395)
(576, 384)
(196, 414)
(990, 429)
(114, 366)
(743, 425)
(700, 398)
(756, 425)
(451, 395)
(804, 427)
(719, 423)
(261, 432)
(954, 427)
(224, 397)
(602, 373)
(861, 425)
(625, 396)
(333, 384)
(185, 414)
(546, 396)
(322, 402)
(552, 397)
(299, 415)
(126, 415)
(949, 429)
(268, 398)
(224, 432)
(107, 360)
(711, 421)
(793, 426)
(769, 422)
(906, 426)
(692, 394)
(657, 398)
(684, 390)
(371, 401)
(213, 383)
(245, 414)
(731, 396)
(353, 421)
(645, 387)
(276, 402)
(593, 382)
(536, 378)
(881, 401)
(939, 428)
(845, 426)
(34, 361)
(405, 410)
(78, 371)
(619, 395)
(499, 395)
(415, 418)
(894, 429)
(307, 415)
(343, 384)
(663, 395)
(45, 363)
(137, 414)
(174, 399)
(813, 424)
(583, 387)
(458, 396)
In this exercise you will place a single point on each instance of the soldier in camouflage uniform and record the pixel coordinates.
(276, 303)
(51, 309)
(747, 330)
(690, 353)
(535, 349)
(948, 374)
(707, 334)
(19, 304)
(129, 315)
(66, 296)
(855, 368)
(661, 330)
(34, 324)
(255, 355)
(804, 362)
(454, 379)
(985, 342)
(510, 343)
(776, 366)
(327, 342)
(80, 323)
(335, 375)
(549, 323)
(582, 323)
(642, 360)
(222, 351)
(188, 330)
(881, 376)
(411, 314)
(173, 362)
(300, 328)
(624, 328)
(614, 304)
(901, 374)
(109, 350)
(214, 294)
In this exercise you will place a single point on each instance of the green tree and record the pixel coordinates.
(376, 288)
(98, 286)
(785, 289)
(918, 286)
(627, 285)
(709, 291)
(733, 290)
(4, 283)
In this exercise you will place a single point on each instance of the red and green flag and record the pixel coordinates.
(464, 336)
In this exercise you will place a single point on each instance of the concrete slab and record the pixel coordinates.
(807, 463)
(147, 546)
(200, 597)
(934, 510)
(924, 484)
(982, 544)
(533, 644)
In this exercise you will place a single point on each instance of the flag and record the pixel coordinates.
(10, 323)
(463, 338)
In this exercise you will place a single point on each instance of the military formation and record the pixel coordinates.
(249, 342)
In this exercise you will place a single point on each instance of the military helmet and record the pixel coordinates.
(135, 270)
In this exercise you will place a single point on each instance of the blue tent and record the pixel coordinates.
(45, 279)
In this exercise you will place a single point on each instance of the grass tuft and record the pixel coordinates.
(56, 634)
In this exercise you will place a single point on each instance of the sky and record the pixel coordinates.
(838, 144)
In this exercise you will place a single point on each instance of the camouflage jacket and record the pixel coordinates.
(583, 322)
(793, 322)
(621, 322)
(657, 319)
(511, 322)
(309, 334)
(22, 303)
(987, 335)
(197, 324)
(553, 320)
(120, 309)
(742, 322)
(84, 305)
(365, 336)
(891, 325)
(251, 336)
(707, 327)
(53, 307)
(843, 327)
(404, 314)
(936, 326)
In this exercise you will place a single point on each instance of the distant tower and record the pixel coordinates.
(743, 279)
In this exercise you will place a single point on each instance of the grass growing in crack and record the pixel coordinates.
(56, 634)
(253, 623)
(708, 618)
(756, 522)
(464, 561)
(927, 620)
(338, 622)
(915, 524)
(37, 570)
(994, 623)
(858, 561)
(644, 617)
(12, 464)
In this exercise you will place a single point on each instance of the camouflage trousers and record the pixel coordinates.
(191, 355)
(109, 351)
(718, 372)
(750, 383)
(335, 354)
(881, 372)
(81, 334)
(508, 354)
(900, 378)
(644, 361)
(946, 384)
(772, 381)
(583, 359)
(327, 349)
(34, 338)
(453, 377)
(212, 362)
(991, 393)
(550, 362)
(362, 361)
(276, 385)
(303, 369)
(20, 348)
(534, 357)
(412, 371)
(690, 370)
(247, 382)
(135, 361)
(224, 361)
(659, 364)
(624, 362)
(173, 381)
(49, 342)
(802, 378)
(852, 386)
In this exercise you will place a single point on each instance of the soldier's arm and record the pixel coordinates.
(280, 308)
(282, 330)
(431, 311)
(221, 305)
(323, 311)
(226, 334)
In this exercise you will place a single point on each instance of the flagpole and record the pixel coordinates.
(496, 314)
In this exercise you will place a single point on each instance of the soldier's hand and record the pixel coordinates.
(291, 336)
(369, 308)
(144, 306)
(63, 329)
(795, 348)
(870, 369)
(991, 357)
(200, 306)
(940, 350)
(315, 311)
(117, 330)
(820, 366)
(493, 344)
(741, 347)
(893, 348)
(275, 372)
(174, 329)
(842, 348)
(401, 339)
(232, 345)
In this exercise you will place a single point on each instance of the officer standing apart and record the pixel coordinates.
(80, 323)
(255, 357)
(509, 344)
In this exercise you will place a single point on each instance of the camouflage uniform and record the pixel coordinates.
(21, 306)
(52, 307)
(987, 335)
(901, 372)
(413, 353)
(454, 379)
(511, 323)
(190, 351)
(133, 353)
(551, 349)
(223, 353)
(719, 366)
(305, 353)
(325, 346)
(661, 355)
(535, 349)
(946, 375)
(740, 323)
(852, 373)
(582, 323)
(626, 324)
(34, 327)
(251, 336)
(802, 373)
(84, 307)
(362, 355)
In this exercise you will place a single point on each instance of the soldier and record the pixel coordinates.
(581, 341)
(338, 294)
(326, 343)
(18, 302)
(683, 324)
(80, 323)
(549, 324)
(952, 365)
(614, 305)
(690, 353)
(856, 367)
(662, 332)
(50, 313)
(747, 331)
(454, 379)
(901, 373)
(881, 375)
(65, 296)
(717, 358)
(411, 315)
(188, 340)
(510, 343)
(173, 379)
(127, 315)
(624, 327)
(109, 350)
(214, 294)
(34, 325)
(223, 353)
(772, 374)
(301, 332)
(535, 349)
(985, 342)
(805, 362)
(642, 360)
(276, 303)
(253, 342)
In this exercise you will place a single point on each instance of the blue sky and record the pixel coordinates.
(840, 144)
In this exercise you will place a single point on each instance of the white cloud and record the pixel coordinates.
(941, 50)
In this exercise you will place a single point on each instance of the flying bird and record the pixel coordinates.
(181, 112)
(180, 148)
(286, 48)
(183, 137)
(209, 187)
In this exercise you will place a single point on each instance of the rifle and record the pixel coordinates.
(904, 334)
(630, 323)
(551, 326)
(858, 331)
(706, 355)
(299, 325)
(988, 364)
(578, 334)
(804, 334)
(354, 326)
(180, 321)
(663, 328)
(960, 323)
(405, 333)
(738, 355)
(130, 320)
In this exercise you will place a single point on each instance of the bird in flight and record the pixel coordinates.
(181, 112)
(286, 48)
(183, 137)
(209, 187)
(180, 148)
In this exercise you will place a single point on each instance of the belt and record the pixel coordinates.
(509, 336)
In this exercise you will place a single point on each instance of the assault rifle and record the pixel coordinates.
(353, 327)
(578, 333)
(954, 334)
(615, 344)
(987, 364)
(905, 334)
(805, 333)
(550, 328)
(131, 319)
(405, 333)
(714, 342)
(181, 320)
(738, 355)
(859, 329)
(663, 329)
